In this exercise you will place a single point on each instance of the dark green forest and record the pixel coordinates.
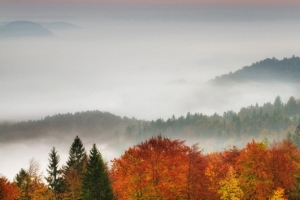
(268, 70)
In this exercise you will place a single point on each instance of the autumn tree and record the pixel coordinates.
(230, 186)
(96, 183)
(30, 183)
(73, 172)
(230, 156)
(159, 168)
(8, 190)
(255, 172)
(54, 178)
(197, 181)
(278, 194)
(285, 159)
(215, 172)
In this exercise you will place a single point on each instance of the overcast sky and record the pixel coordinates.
(141, 61)
(169, 2)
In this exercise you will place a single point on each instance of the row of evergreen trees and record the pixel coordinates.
(252, 120)
(83, 177)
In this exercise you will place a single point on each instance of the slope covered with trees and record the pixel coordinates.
(268, 70)
(271, 121)
(98, 124)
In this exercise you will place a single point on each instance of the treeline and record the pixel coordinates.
(271, 120)
(96, 123)
(274, 121)
(161, 168)
(82, 177)
(268, 70)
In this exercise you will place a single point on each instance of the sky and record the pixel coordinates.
(146, 60)
(163, 2)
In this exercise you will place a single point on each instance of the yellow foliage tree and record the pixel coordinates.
(278, 194)
(30, 183)
(230, 189)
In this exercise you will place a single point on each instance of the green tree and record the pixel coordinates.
(74, 170)
(278, 103)
(297, 132)
(296, 137)
(54, 179)
(77, 155)
(291, 107)
(23, 180)
(96, 183)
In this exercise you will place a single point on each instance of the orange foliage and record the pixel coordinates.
(8, 190)
(197, 182)
(230, 156)
(159, 169)
(285, 159)
(216, 170)
(73, 182)
(255, 171)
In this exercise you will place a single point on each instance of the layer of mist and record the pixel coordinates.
(146, 63)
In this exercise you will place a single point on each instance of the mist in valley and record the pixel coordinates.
(140, 62)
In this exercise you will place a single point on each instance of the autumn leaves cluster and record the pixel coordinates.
(161, 168)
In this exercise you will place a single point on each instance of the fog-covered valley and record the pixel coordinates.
(136, 62)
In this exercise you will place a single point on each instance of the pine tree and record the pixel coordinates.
(96, 184)
(23, 180)
(77, 155)
(296, 137)
(278, 103)
(74, 170)
(54, 179)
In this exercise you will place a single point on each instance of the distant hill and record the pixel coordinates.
(271, 120)
(268, 70)
(58, 25)
(24, 29)
(95, 123)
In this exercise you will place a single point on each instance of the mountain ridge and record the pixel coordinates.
(269, 70)
(24, 29)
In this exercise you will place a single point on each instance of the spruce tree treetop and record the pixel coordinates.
(297, 131)
(96, 184)
(54, 179)
(77, 155)
(278, 103)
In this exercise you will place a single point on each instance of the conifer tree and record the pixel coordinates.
(73, 172)
(77, 155)
(296, 137)
(22, 180)
(96, 184)
(54, 179)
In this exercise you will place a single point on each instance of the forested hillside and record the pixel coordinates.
(263, 145)
(94, 123)
(272, 121)
(268, 70)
